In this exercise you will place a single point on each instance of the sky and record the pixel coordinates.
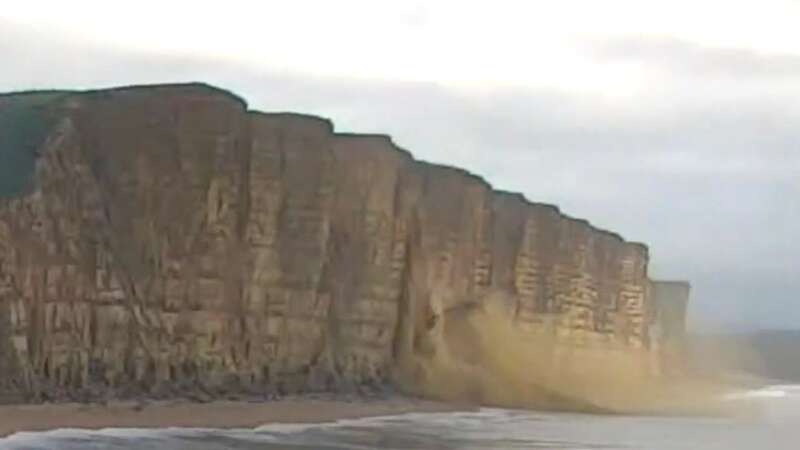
(675, 123)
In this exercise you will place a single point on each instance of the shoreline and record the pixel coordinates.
(216, 414)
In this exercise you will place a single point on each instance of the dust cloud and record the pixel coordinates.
(477, 355)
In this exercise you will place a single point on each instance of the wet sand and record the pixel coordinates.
(222, 414)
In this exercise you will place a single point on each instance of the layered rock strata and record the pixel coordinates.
(167, 238)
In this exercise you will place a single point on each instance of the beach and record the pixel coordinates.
(394, 424)
(217, 414)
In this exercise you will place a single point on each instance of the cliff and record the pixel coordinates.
(165, 239)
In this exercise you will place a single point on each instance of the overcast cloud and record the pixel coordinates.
(693, 148)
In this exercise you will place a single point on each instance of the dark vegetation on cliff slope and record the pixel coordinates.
(25, 122)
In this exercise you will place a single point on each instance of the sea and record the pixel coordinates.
(775, 425)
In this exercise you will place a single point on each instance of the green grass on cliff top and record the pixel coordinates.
(24, 124)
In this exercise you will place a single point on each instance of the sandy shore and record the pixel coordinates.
(223, 414)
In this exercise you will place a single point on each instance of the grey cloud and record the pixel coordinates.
(712, 185)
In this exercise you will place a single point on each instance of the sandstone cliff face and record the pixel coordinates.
(170, 239)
